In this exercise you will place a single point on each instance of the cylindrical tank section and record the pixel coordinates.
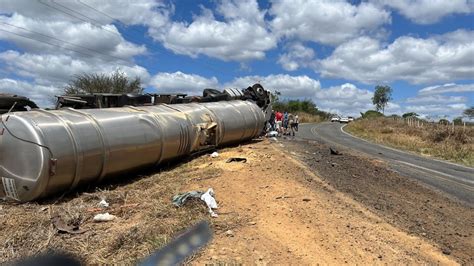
(44, 152)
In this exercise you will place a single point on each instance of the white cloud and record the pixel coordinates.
(288, 86)
(297, 56)
(447, 88)
(345, 99)
(436, 111)
(101, 12)
(441, 58)
(65, 37)
(43, 96)
(241, 35)
(57, 47)
(326, 21)
(179, 82)
(48, 69)
(428, 11)
(436, 99)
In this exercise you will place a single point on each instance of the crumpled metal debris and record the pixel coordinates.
(236, 159)
(63, 227)
(334, 151)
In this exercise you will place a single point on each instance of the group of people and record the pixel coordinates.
(283, 123)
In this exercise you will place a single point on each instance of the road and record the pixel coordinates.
(455, 180)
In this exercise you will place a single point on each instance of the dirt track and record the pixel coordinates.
(273, 210)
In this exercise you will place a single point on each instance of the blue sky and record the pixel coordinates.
(333, 52)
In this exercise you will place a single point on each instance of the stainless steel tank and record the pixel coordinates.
(45, 152)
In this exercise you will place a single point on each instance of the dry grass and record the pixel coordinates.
(309, 118)
(146, 218)
(431, 139)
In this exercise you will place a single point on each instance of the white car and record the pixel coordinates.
(350, 118)
(344, 120)
(335, 119)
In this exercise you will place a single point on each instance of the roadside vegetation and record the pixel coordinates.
(116, 82)
(441, 140)
(306, 110)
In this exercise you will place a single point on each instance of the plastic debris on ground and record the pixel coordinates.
(214, 154)
(104, 217)
(274, 139)
(180, 199)
(210, 201)
(103, 204)
(208, 197)
(272, 134)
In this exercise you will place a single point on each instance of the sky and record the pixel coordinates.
(332, 52)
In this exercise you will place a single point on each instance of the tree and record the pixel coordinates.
(275, 97)
(443, 121)
(457, 121)
(382, 95)
(469, 112)
(410, 114)
(117, 82)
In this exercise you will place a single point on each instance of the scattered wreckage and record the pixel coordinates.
(15, 103)
(45, 152)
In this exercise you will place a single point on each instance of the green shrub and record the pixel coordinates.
(371, 114)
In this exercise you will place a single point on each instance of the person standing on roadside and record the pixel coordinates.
(285, 123)
(279, 118)
(297, 121)
(291, 121)
(272, 121)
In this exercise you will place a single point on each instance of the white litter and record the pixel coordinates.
(274, 139)
(210, 201)
(104, 217)
(214, 154)
(103, 204)
(272, 134)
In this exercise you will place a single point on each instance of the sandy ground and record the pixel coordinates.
(288, 215)
(273, 209)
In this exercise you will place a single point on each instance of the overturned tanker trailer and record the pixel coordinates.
(45, 152)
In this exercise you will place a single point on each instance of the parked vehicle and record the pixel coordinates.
(344, 120)
(335, 119)
(350, 118)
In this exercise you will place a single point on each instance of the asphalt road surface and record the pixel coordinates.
(453, 179)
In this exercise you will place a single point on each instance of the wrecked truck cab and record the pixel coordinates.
(15, 103)
(46, 152)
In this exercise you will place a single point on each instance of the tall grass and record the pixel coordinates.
(309, 118)
(442, 141)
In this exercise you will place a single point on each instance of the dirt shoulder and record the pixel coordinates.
(402, 202)
(279, 212)
(273, 209)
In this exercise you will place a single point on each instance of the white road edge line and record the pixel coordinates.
(409, 153)
(441, 173)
